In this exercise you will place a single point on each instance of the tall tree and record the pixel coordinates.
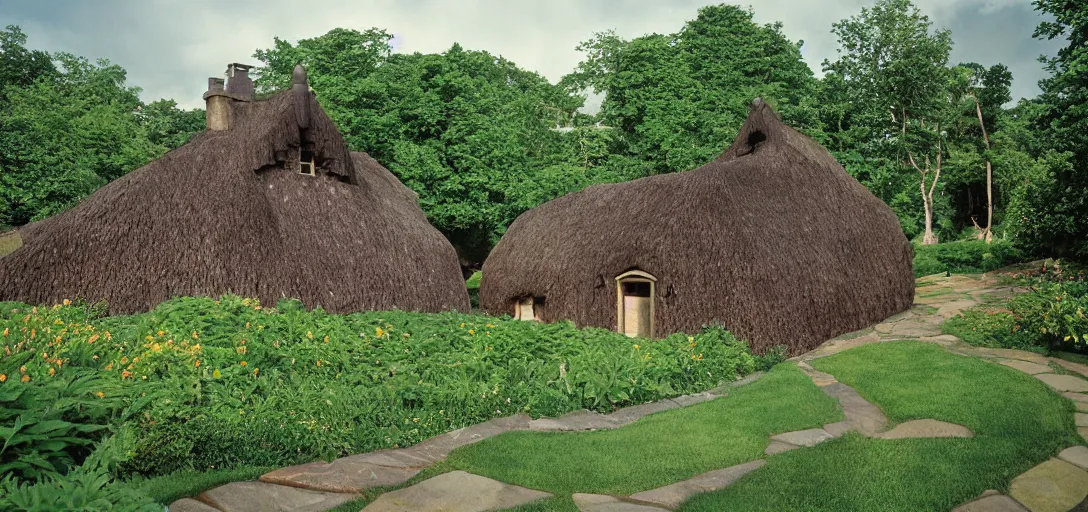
(1056, 214)
(891, 81)
(677, 100)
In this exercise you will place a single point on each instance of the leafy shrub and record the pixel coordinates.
(970, 256)
(990, 329)
(1051, 316)
(221, 383)
(88, 489)
(48, 427)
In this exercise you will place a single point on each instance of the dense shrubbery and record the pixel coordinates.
(1051, 316)
(203, 383)
(964, 257)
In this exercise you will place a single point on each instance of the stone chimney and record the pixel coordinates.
(238, 82)
(221, 93)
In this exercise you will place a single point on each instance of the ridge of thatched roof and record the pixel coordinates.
(773, 239)
(220, 214)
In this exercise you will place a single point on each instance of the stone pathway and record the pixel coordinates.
(1059, 484)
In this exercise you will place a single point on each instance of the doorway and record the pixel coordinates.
(635, 303)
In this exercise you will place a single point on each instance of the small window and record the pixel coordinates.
(306, 164)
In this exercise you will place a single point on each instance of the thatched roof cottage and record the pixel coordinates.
(267, 202)
(773, 239)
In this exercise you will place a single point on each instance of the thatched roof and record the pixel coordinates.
(773, 239)
(221, 214)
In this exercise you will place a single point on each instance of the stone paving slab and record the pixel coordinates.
(265, 497)
(778, 447)
(341, 475)
(992, 503)
(1008, 353)
(1026, 366)
(810, 437)
(602, 503)
(697, 398)
(456, 491)
(864, 416)
(1071, 366)
(631, 414)
(1064, 382)
(190, 505)
(1081, 419)
(575, 421)
(1053, 486)
(926, 428)
(819, 378)
(1076, 455)
(671, 496)
(946, 340)
(839, 428)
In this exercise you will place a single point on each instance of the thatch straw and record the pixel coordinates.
(773, 239)
(220, 214)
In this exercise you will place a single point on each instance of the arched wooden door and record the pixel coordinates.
(635, 303)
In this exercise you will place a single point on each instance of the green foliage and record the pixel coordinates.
(1052, 316)
(677, 101)
(69, 126)
(49, 426)
(964, 257)
(1056, 209)
(228, 383)
(88, 489)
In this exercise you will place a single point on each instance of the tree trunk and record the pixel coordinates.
(929, 238)
(989, 178)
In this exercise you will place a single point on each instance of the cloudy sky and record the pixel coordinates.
(170, 47)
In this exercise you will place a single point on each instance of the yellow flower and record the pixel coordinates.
(67, 302)
(216, 374)
(161, 333)
(156, 347)
(195, 335)
(197, 365)
(319, 362)
(109, 336)
(415, 420)
(22, 369)
(310, 335)
(52, 372)
(126, 374)
(255, 370)
(462, 325)
(247, 325)
(3, 378)
(100, 394)
(472, 331)
(92, 339)
(379, 332)
(489, 326)
(26, 378)
(326, 339)
(636, 346)
(5, 332)
(243, 363)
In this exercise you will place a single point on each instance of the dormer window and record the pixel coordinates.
(306, 164)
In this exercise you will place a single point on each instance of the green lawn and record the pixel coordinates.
(1017, 420)
(657, 450)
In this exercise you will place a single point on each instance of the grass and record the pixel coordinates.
(188, 483)
(9, 242)
(473, 285)
(659, 449)
(1018, 423)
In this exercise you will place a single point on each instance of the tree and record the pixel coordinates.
(677, 100)
(1056, 212)
(69, 126)
(890, 93)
